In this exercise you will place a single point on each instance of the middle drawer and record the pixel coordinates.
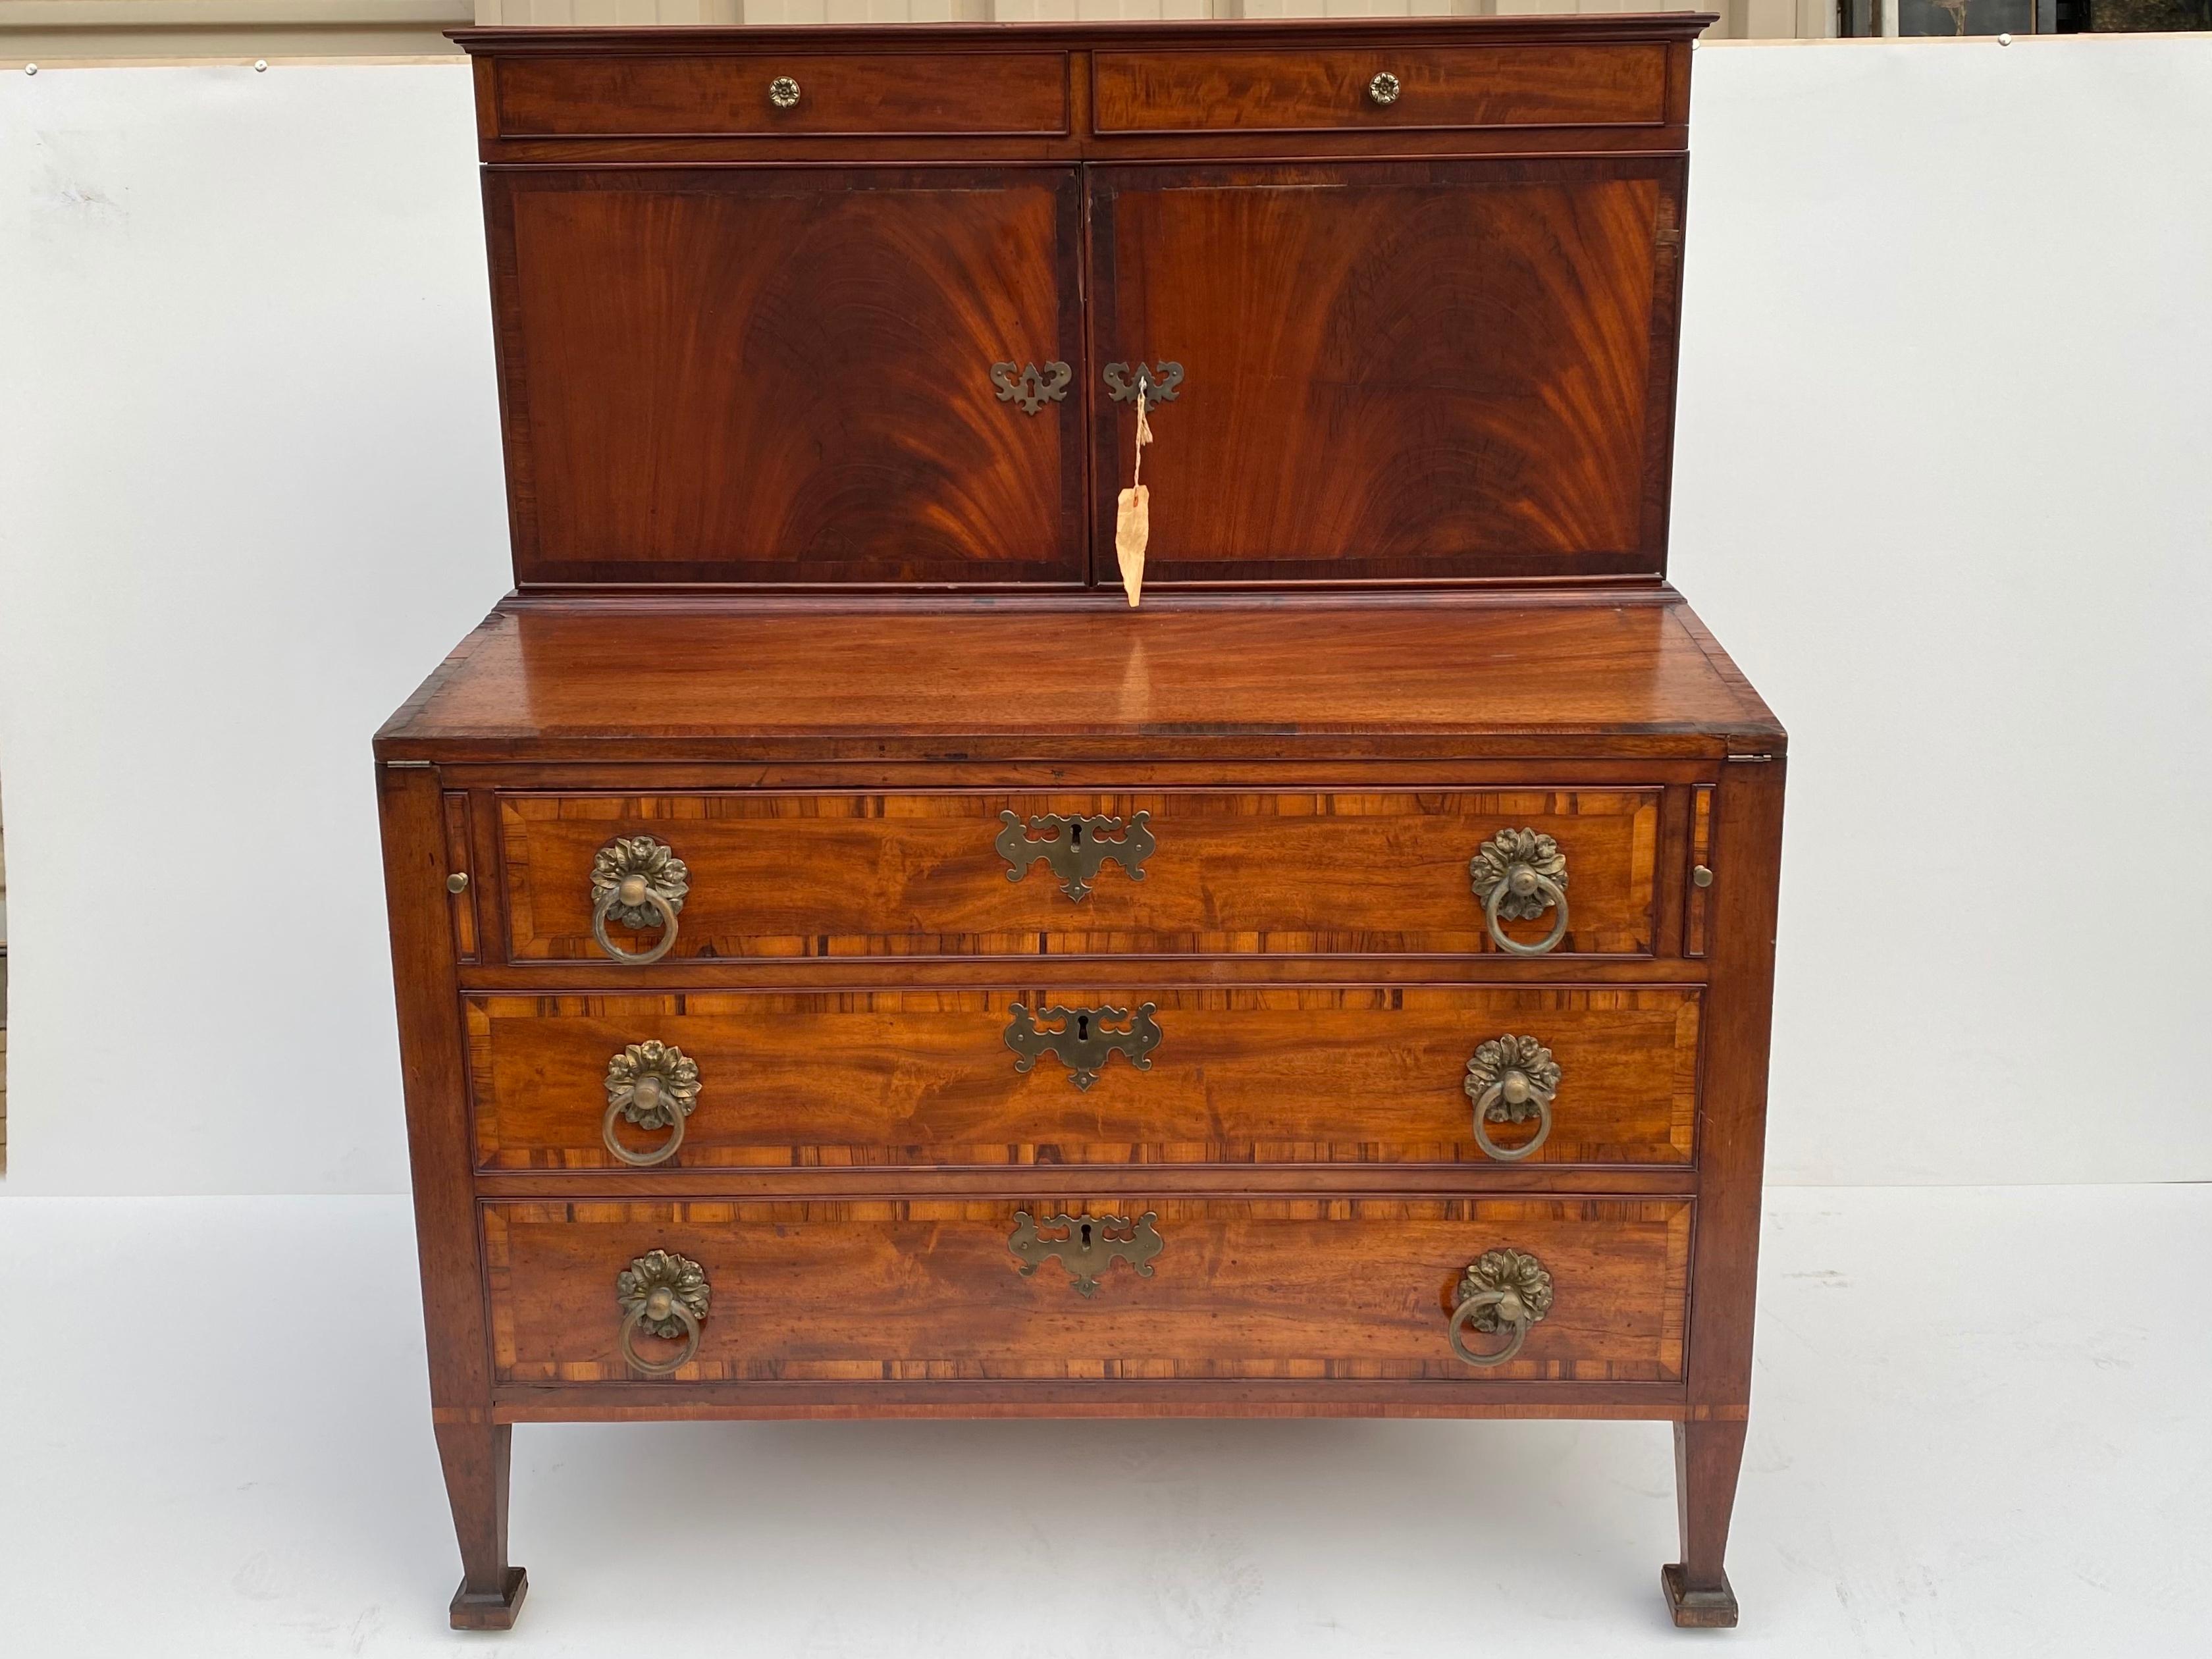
(730, 1079)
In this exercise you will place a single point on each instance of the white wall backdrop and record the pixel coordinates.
(1941, 483)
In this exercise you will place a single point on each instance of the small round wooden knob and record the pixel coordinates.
(1383, 88)
(783, 92)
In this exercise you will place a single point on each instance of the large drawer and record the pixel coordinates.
(772, 92)
(763, 1079)
(1369, 87)
(846, 874)
(1230, 1288)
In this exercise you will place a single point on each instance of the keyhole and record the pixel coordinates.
(1086, 1235)
(1075, 833)
(1082, 1028)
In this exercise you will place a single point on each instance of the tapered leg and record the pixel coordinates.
(476, 1459)
(1706, 1458)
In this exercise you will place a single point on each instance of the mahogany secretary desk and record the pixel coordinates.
(851, 963)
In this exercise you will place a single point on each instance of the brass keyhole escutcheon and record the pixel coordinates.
(1082, 1039)
(1088, 1246)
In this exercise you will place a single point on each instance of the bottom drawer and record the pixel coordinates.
(1217, 1287)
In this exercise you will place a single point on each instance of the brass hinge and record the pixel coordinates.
(1747, 760)
(398, 763)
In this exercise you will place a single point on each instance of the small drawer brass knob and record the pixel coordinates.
(783, 92)
(1511, 1079)
(1701, 876)
(1518, 874)
(1383, 88)
(1504, 1292)
(655, 1085)
(664, 1295)
(457, 882)
(639, 882)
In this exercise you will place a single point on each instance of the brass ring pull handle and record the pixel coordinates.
(665, 1295)
(684, 1355)
(655, 1085)
(639, 882)
(1383, 88)
(1519, 874)
(1511, 1079)
(1507, 1291)
(783, 92)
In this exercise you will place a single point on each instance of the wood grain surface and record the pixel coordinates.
(1244, 1288)
(1471, 86)
(1611, 675)
(889, 93)
(783, 376)
(1392, 372)
(854, 874)
(1258, 1076)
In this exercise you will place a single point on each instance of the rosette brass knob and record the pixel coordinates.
(639, 882)
(655, 1085)
(1511, 1079)
(1518, 874)
(664, 1295)
(1504, 1292)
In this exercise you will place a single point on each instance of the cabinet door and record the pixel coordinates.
(1392, 372)
(783, 376)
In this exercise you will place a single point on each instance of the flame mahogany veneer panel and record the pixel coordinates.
(782, 376)
(1411, 371)
(1244, 1288)
(1240, 1076)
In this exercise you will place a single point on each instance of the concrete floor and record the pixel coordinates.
(1983, 1426)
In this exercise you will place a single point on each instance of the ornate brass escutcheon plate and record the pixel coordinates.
(1076, 848)
(1027, 389)
(1083, 1039)
(1157, 383)
(1087, 1245)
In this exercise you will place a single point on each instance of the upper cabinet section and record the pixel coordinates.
(829, 308)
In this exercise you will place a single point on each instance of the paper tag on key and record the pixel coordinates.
(1132, 515)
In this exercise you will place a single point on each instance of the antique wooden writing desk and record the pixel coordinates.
(850, 963)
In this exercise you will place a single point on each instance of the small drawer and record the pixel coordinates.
(748, 875)
(1371, 86)
(1119, 1286)
(794, 93)
(1123, 1074)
